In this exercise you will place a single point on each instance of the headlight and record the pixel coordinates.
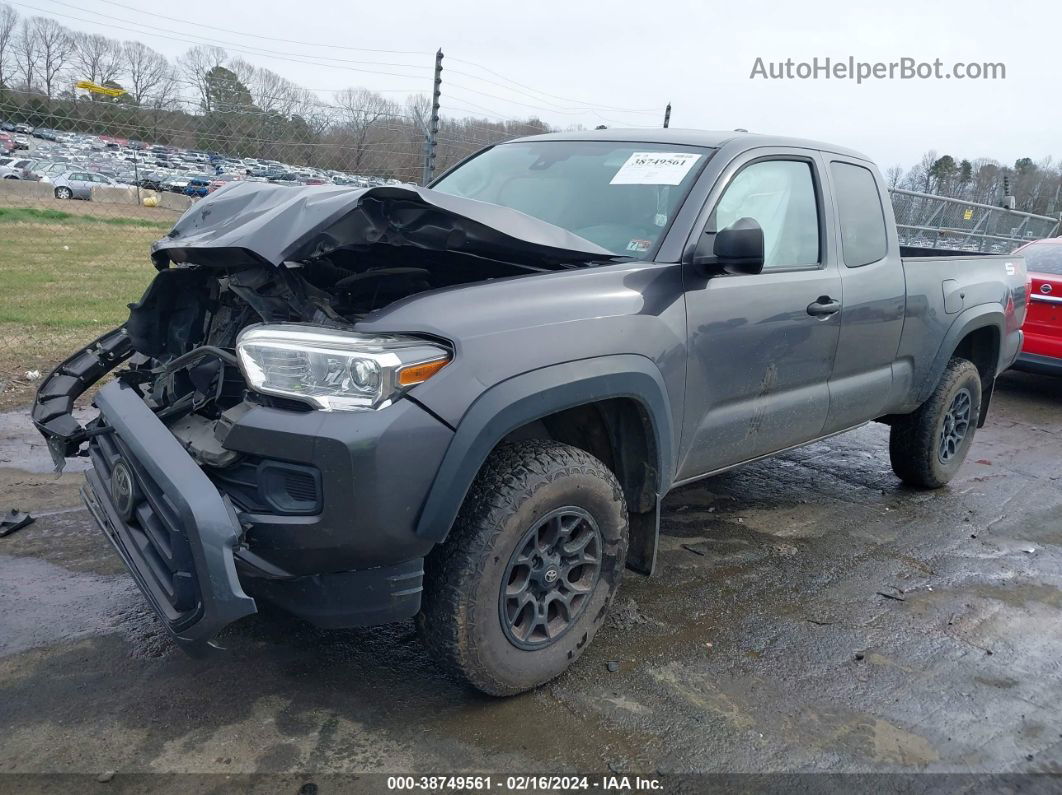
(335, 370)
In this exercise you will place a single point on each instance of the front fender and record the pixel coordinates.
(524, 398)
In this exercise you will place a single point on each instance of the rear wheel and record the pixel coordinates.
(928, 447)
(518, 590)
(64, 193)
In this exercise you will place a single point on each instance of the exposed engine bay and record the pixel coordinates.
(254, 253)
(185, 327)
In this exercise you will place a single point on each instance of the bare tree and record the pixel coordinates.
(164, 95)
(53, 51)
(196, 64)
(26, 57)
(893, 176)
(146, 69)
(95, 58)
(269, 91)
(8, 29)
(362, 111)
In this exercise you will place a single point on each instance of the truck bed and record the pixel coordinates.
(944, 287)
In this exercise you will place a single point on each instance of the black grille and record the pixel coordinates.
(300, 486)
(155, 534)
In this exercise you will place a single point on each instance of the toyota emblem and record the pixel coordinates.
(551, 575)
(1045, 288)
(124, 491)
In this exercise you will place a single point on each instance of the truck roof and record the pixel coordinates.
(712, 138)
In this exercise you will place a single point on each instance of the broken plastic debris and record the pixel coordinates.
(33, 375)
(14, 520)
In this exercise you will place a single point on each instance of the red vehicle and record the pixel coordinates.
(1041, 352)
(222, 179)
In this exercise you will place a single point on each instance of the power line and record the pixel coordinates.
(304, 58)
(554, 96)
(267, 38)
(527, 88)
(202, 39)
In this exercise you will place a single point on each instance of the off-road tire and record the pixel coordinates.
(519, 484)
(914, 440)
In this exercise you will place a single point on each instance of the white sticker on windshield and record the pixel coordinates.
(655, 168)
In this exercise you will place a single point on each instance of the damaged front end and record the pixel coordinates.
(249, 396)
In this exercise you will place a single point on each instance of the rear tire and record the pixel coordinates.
(64, 193)
(524, 581)
(927, 448)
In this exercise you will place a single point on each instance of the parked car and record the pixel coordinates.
(176, 184)
(467, 403)
(222, 179)
(22, 127)
(7, 126)
(78, 184)
(151, 181)
(18, 168)
(1041, 351)
(197, 186)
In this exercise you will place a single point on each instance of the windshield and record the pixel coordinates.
(616, 194)
(1043, 257)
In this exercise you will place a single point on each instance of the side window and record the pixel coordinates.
(780, 196)
(855, 191)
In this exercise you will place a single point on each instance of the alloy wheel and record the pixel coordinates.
(550, 577)
(955, 426)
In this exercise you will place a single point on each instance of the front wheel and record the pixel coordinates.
(525, 579)
(928, 447)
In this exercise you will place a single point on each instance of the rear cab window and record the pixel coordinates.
(860, 213)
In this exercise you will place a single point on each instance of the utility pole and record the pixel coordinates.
(667, 115)
(431, 136)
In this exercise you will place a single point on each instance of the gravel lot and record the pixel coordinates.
(808, 614)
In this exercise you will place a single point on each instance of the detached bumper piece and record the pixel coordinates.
(166, 520)
(53, 407)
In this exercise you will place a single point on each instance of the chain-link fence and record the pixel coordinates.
(87, 185)
(927, 221)
(89, 182)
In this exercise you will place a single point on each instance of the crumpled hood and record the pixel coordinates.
(251, 222)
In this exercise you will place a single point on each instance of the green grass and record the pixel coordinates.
(64, 280)
(28, 214)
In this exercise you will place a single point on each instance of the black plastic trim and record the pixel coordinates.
(208, 520)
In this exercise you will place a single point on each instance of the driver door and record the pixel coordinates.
(760, 351)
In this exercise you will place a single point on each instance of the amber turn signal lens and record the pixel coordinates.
(419, 373)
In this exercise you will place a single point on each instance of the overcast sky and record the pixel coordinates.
(556, 59)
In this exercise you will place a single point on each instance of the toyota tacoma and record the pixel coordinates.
(465, 403)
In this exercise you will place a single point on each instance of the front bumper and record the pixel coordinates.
(170, 525)
(200, 545)
(199, 557)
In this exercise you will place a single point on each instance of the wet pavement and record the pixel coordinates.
(809, 613)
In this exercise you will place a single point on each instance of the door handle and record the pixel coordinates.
(823, 306)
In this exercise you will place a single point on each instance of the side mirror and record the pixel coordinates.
(737, 249)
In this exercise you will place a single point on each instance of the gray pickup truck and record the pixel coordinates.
(466, 403)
